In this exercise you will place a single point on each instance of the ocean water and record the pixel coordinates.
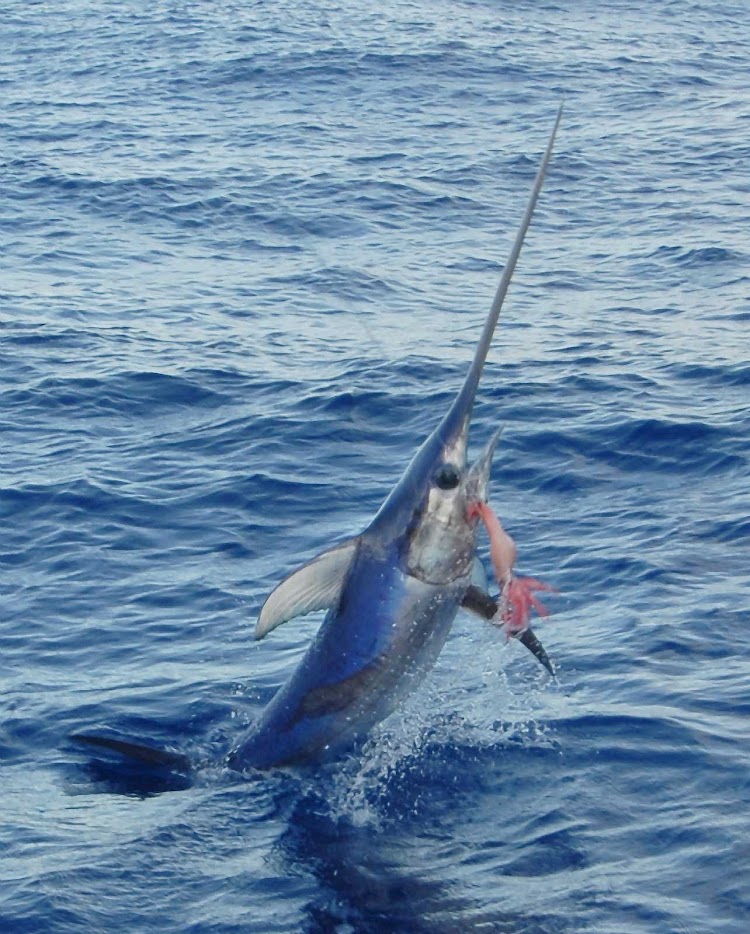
(246, 252)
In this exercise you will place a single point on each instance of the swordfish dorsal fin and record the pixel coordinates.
(460, 411)
(317, 585)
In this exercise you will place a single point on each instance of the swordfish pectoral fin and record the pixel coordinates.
(317, 585)
(532, 643)
(482, 604)
(478, 601)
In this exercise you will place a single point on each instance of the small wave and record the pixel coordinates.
(698, 256)
(134, 393)
(734, 529)
(736, 374)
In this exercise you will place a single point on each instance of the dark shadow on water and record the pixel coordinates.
(405, 868)
(112, 766)
(380, 880)
(135, 781)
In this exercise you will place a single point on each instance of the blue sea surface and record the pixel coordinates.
(246, 252)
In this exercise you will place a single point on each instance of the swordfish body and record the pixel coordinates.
(391, 592)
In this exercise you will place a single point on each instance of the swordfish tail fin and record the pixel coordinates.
(140, 753)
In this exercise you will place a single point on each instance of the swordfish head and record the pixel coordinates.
(427, 512)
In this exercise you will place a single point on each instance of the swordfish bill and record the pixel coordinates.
(391, 592)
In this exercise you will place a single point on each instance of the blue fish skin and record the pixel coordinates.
(370, 652)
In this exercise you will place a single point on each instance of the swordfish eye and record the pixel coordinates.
(447, 477)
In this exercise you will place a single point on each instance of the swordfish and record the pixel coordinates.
(391, 592)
